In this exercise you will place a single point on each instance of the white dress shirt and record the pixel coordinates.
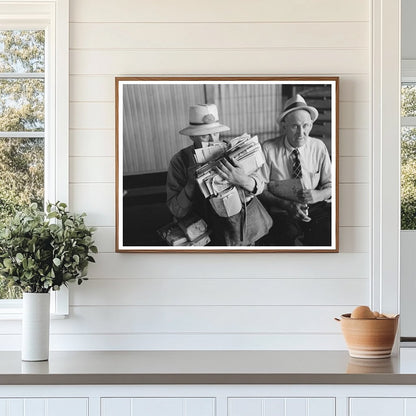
(313, 156)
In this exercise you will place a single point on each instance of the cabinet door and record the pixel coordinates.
(272, 406)
(44, 407)
(155, 406)
(378, 406)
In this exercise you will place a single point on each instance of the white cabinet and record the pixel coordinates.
(391, 406)
(281, 406)
(208, 400)
(157, 406)
(44, 407)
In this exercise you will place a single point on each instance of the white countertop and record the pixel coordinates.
(208, 367)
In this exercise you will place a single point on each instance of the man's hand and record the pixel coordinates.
(234, 173)
(310, 196)
(298, 211)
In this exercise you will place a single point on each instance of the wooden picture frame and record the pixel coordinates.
(155, 181)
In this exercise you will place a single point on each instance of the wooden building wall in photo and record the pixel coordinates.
(153, 115)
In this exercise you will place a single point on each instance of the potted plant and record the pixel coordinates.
(39, 252)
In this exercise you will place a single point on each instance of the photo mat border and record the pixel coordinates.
(119, 81)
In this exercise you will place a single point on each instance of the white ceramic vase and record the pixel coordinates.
(35, 326)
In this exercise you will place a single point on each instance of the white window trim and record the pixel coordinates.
(53, 16)
(385, 115)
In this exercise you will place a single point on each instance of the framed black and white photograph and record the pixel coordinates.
(235, 164)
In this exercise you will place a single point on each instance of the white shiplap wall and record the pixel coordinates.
(214, 301)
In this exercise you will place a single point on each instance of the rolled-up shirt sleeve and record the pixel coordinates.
(260, 181)
(261, 178)
(325, 181)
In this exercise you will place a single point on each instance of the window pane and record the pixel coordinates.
(408, 108)
(22, 51)
(21, 182)
(408, 178)
(21, 173)
(22, 105)
(22, 109)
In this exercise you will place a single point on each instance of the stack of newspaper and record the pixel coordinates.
(188, 231)
(209, 151)
(244, 149)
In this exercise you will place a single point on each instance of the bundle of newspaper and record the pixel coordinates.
(188, 231)
(244, 149)
(209, 151)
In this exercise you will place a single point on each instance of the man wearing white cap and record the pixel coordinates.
(295, 155)
(183, 194)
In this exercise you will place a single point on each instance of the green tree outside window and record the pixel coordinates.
(22, 124)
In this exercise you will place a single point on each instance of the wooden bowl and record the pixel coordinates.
(369, 338)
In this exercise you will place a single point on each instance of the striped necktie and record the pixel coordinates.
(297, 168)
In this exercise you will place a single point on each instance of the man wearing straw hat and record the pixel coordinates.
(296, 158)
(183, 194)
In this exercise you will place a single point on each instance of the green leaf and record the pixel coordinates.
(38, 253)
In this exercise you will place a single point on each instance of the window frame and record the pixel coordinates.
(53, 17)
(408, 75)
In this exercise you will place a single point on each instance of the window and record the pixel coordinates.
(33, 110)
(408, 154)
(22, 124)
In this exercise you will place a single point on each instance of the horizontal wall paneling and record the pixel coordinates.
(231, 266)
(295, 61)
(213, 301)
(219, 291)
(92, 169)
(222, 35)
(94, 143)
(201, 319)
(219, 11)
(98, 88)
(184, 341)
